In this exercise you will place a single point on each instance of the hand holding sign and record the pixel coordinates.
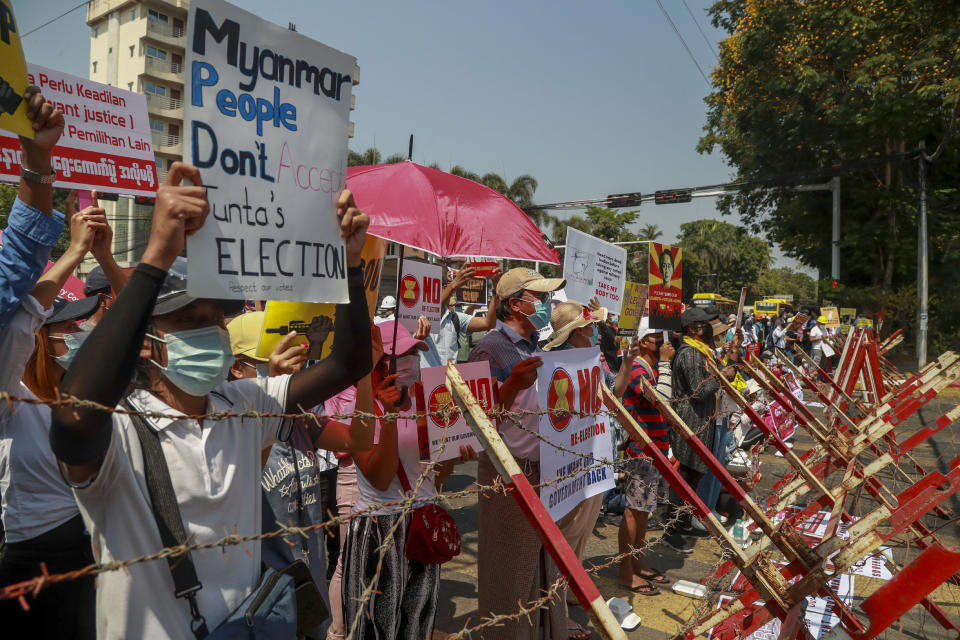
(47, 126)
(179, 212)
(287, 359)
(353, 227)
(524, 373)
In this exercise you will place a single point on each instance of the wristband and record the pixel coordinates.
(39, 178)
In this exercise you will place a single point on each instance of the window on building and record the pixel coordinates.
(110, 50)
(129, 86)
(133, 14)
(131, 50)
(154, 52)
(155, 89)
(94, 66)
(162, 18)
(157, 125)
(96, 31)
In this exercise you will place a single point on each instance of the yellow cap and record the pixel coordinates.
(245, 333)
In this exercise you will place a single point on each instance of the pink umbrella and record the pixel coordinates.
(444, 214)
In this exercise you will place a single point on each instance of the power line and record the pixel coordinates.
(51, 21)
(705, 38)
(683, 42)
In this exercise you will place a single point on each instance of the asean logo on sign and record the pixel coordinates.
(442, 410)
(409, 291)
(560, 399)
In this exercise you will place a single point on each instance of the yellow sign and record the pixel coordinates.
(865, 323)
(850, 312)
(313, 321)
(13, 76)
(634, 300)
(832, 315)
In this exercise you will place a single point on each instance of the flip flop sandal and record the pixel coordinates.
(655, 577)
(576, 632)
(648, 589)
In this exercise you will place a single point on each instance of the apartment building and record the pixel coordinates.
(138, 45)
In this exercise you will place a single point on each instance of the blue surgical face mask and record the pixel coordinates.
(595, 336)
(198, 359)
(540, 318)
(73, 342)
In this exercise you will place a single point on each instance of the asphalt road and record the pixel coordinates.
(667, 613)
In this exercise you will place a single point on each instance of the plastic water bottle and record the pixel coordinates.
(738, 532)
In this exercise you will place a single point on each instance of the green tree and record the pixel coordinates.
(719, 254)
(802, 287)
(807, 90)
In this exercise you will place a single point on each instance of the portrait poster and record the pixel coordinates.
(665, 292)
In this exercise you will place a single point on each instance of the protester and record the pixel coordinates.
(41, 521)
(608, 344)
(818, 345)
(575, 327)
(291, 471)
(33, 225)
(512, 564)
(405, 591)
(385, 312)
(181, 352)
(695, 397)
(383, 388)
(453, 324)
(105, 279)
(646, 488)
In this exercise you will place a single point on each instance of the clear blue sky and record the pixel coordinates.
(589, 98)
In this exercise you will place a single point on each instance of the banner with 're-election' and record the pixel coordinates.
(106, 143)
(575, 433)
(266, 120)
(666, 286)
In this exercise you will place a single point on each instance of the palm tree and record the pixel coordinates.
(650, 232)
(395, 158)
(370, 156)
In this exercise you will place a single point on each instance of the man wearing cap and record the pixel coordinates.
(182, 351)
(512, 564)
(819, 346)
(645, 487)
(386, 311)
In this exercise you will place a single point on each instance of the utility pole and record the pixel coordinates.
(835, 239)
(922, 265)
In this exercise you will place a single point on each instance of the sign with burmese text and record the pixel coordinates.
(106, 143)
(266, 120)
(666, 282)
(575, 432)
(447, 430)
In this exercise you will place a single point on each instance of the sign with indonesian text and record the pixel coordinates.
(575, 432)
(666, 286)
(446, 427)
(420, 291)
(266, 119)
(594, 268)
(106, 143)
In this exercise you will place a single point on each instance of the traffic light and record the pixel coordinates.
(620, 200)
(672, 196)
(144, 200)
(834, 284)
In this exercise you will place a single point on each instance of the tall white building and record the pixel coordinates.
(138, 45)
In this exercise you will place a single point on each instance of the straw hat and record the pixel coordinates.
(569, 316)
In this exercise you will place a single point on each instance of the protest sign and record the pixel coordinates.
(446, 427)
(268, 130)
(485, 267)
(575, 434)
(106, 143)
(594, 268)
(666, 281)
(864, 323)
(420, 290)
(13, 76)
(634, 300)
(848, 312)
(473, 291)
(282, 317)
(832, 315)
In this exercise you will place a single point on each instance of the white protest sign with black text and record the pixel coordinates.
(594, 268)
(266, 121)
(106, 143)
(420, 289)
(451, 431)
(568, 385)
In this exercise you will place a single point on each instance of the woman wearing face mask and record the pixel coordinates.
(576, 327)
(41, 520)
(406, 591)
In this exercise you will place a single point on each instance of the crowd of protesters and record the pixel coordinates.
(83, 484)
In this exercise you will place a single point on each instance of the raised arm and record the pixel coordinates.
(350, 356)
(32, 226)
(84, 227)
(356, 436)
(379, 464)
(101, 250)
(80, 436)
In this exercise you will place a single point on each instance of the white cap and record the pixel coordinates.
(388, 302)
(643, 328)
